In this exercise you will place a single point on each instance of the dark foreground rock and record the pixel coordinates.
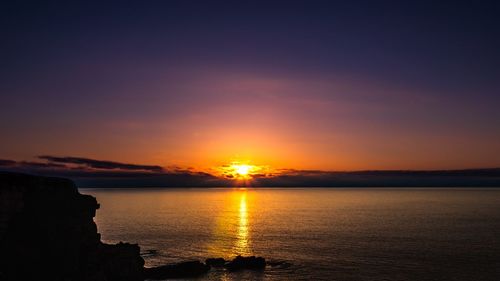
(47, 232)
(239, 263)
(215, 262)
(179, 270)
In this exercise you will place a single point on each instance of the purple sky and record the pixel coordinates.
(297, 84)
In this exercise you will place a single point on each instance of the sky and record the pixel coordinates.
(297, 85)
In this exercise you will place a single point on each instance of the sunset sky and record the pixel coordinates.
(310, 85)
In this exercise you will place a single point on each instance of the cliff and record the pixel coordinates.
(47, 232)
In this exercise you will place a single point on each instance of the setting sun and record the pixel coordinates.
(242, 170)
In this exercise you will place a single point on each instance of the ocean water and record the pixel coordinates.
(313, 233)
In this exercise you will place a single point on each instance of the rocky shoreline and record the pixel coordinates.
(47, 232)
(191, 269)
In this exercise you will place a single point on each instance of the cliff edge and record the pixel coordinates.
(47, 232)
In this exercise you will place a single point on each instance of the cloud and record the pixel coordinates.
(41, 164)
(88, 172)
(100, 173)
(100, 164)
(5, 162)
(383, 178)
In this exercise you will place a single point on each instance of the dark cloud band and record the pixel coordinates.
(100, 164)
(98, 173)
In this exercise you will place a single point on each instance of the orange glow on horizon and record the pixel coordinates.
(241, 171)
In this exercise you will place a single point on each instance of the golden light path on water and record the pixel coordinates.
(242, 242)
(231, 235)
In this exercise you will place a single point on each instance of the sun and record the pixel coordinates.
(239, 171)
(242, 170)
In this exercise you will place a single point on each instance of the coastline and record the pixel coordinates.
(47, 232)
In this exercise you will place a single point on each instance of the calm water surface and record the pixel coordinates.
(314, 233)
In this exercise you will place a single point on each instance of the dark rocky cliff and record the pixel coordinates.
(47, 232)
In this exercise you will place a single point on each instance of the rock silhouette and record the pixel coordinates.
(47, 232)
(215, 262)
(252, 262)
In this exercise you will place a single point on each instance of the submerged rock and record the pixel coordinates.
(178, 270)
(252, 262)
(47, 232)
(215, 262)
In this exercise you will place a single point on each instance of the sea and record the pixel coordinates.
(313, 233)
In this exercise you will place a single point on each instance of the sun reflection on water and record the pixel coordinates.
(242, 241)
(231, 234)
